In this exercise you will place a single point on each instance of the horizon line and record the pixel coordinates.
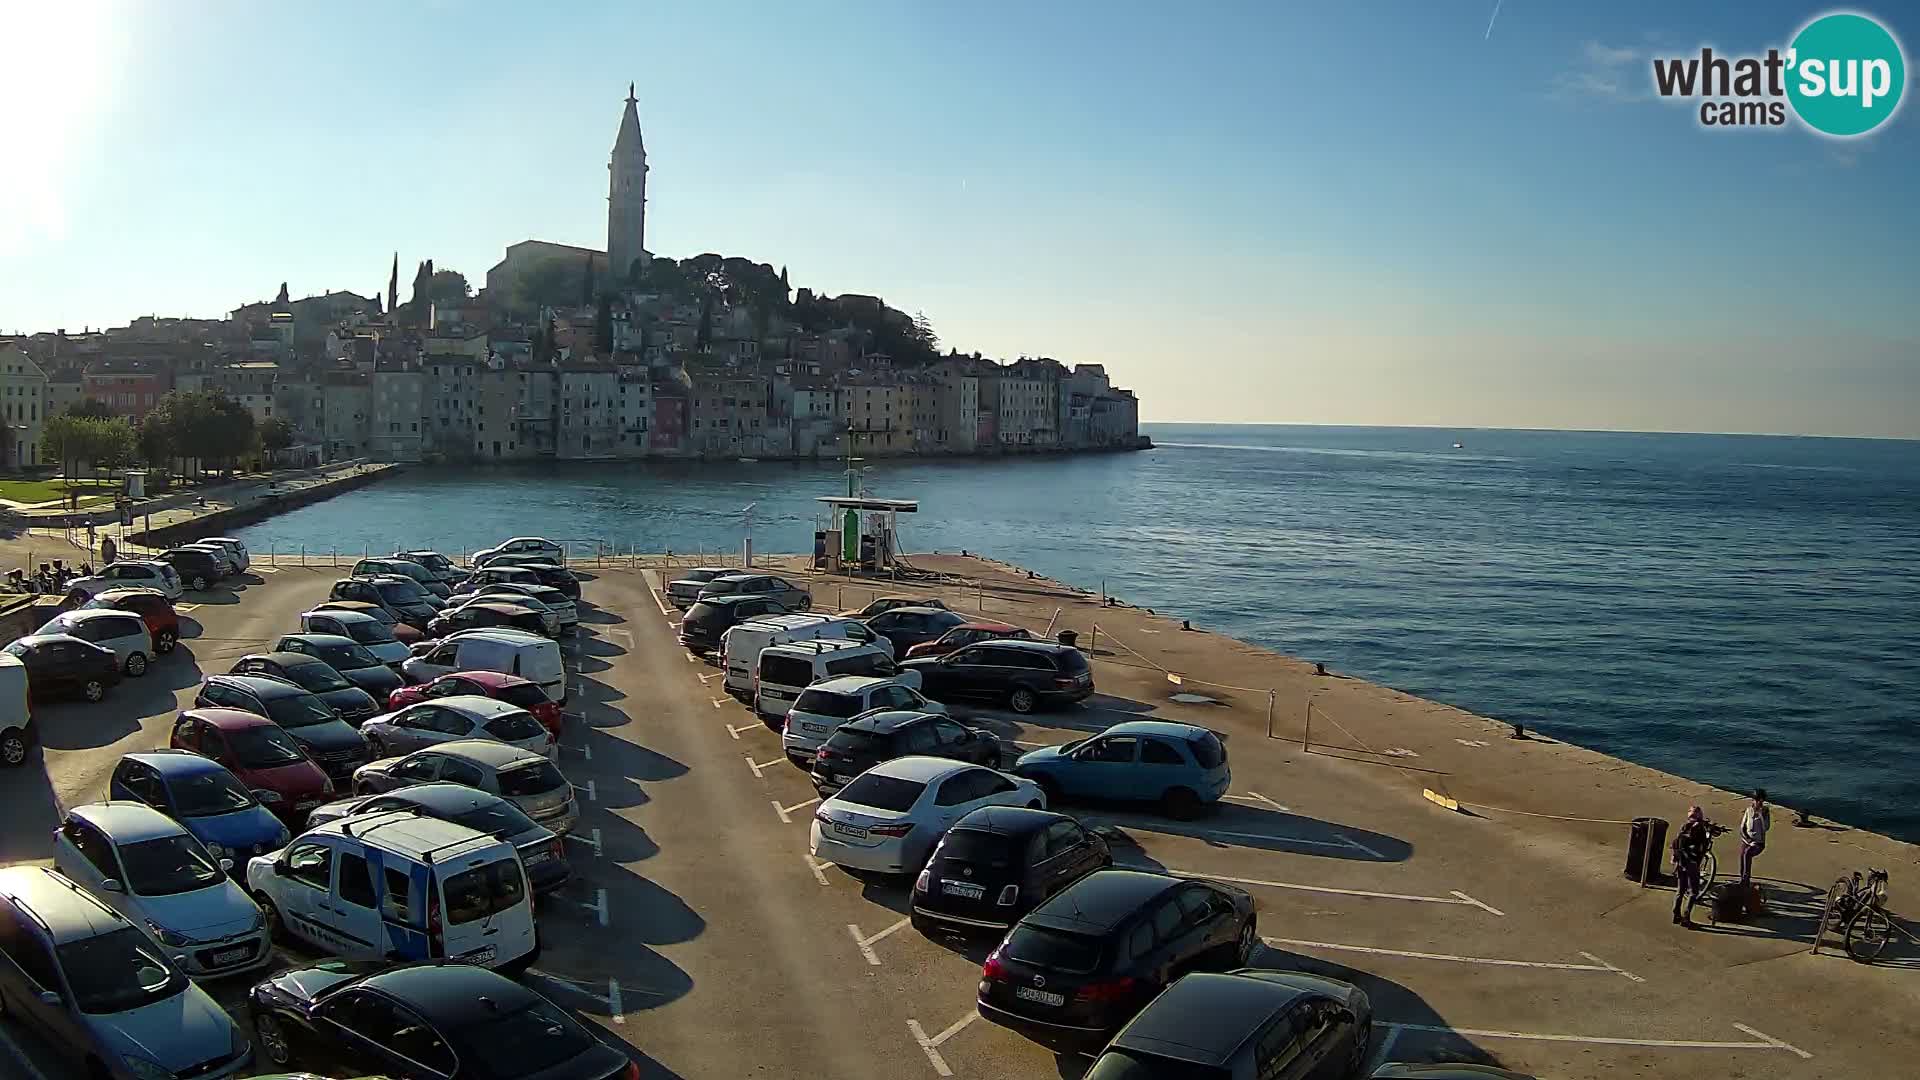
(1558, 430)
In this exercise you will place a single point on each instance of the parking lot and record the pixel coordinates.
(701, 932)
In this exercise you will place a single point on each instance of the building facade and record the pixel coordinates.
(23, 394)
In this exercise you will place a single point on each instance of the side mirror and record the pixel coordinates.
(112, 885)
(48, 997)
(280, 868)
(226, 865)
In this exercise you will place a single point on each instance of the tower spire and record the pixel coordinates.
(627, 195)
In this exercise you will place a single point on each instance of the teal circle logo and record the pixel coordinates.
(1845, 74)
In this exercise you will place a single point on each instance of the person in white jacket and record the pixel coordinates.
(1753, 833)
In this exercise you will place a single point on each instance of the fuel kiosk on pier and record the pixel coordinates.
(859, 533)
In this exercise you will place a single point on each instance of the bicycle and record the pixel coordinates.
(1857, 908)
(1709, 866)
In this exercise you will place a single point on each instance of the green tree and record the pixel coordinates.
(276, 433)
(90, 407)
(446, 285)
(156, 435)
(549, 282)
(63, 439)
(111, 442)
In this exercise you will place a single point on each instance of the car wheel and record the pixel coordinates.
(13, 748)
(93, 690)
(137, 664)
(276, 927)
(1023, 700)
(164, 641)
(1181, 804)
(199, 582)
(273, 1039)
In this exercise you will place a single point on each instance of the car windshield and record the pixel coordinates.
(496, 816)
(347, 657)
(703, 613)
(515, 727)
(1207, 750)
(525, 695)
(523, 1043)
(208, 793)
(298, 711)
(368, 633)
(827, 703)
(405, 591)
(535, 779)
(1047, 948)
(982, 848)
(118, 971)
(1127, 1064)
(882, 792)
(263, 747)
(318, 678)
(488, 889)
(168, 865)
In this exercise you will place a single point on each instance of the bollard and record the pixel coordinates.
(1271, 695)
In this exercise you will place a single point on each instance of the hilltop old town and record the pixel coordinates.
(566, 353)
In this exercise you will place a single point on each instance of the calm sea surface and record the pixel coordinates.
(1738, 609)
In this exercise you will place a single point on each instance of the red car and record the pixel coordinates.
(511, 689)
(966, 634)
(153, 607)
(264, 757)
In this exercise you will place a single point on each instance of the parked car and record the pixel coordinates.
(360, 628)
(497, 574)
(521, 545)
(100, 991)
(970, 633)
(785, 670)
(149, 868)
(1075, 969)
(403, 597)
(1182, 767)
(123, 632)
(541, 852)
(884, 734)
(742, 644)
(491, 615)
(821, 708)
(197, 567)
(229, 562)
(355, 662)
(239, 550)
(685, 589)
(708, 618)
(511, 689)
(315, 676)
(449, 719)
(891, 816)
(1000, 862)
(910, 626)
(1247, 1023)
(1025, 675)
(438, 565)
(888, 603)
(785, 593)
(153, 607)
(512, 652)
(398, 567)
(331, 742)
(274, 765)
(61, 665)
(434, 1021)
(202, 795)
(522, 777)
(555, 576)
(133, 573)
(17, 732)
(544, 597)
(403, 633)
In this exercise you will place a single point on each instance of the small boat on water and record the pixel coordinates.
(749, 461)
(1456, 446)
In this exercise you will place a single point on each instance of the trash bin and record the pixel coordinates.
(1068, 638)
(1646, 849)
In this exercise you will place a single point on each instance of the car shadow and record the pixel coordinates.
(218, 595)
(596, 616)
(593, 645)
(1793, 913)
(1230, 825)
(78, 725)
(31, 808)
(1418, 1032)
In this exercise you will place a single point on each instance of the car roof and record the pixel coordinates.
(917, 609)
(851, 684)
(886, 721)
(228, 719)
(64, 908)
(503, 607)
(1166, 729)
(825, 644)
(790, 620)
(224, 540)
(343, 614)
(1008, 820)
(507, 634)
(1039, 645)
(441, 796)
(403, 831)
(1101, 900)
(449, 994)
(39, 639)
(745, 575)
(328, 640)
(285, 659)
(921, 767)
(495, 755)
(79, 615)
(176, 762)
(382, 579)
(985, 624)
(729, 599)
(127, 822)
(1205, 1016)
(261, 685)
(475, 705)
(498, 680)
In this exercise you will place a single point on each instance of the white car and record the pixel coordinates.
(360, 628)
(549, 616)
(684, 591)
(459, 716)
(239, 550)
(546, 596)
(145, 573)
(146, 866)
(121, 631)
(521, 545)
(821, 708)
(891, 816)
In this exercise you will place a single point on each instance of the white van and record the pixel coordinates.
(511, 652)
(786, 668)
(399, 886)
(16, 718)
(740, 645)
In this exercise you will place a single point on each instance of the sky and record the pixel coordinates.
(1352, 213)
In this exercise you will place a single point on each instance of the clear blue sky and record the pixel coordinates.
(1327, 213)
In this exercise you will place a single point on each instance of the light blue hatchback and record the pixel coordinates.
(1180, 766)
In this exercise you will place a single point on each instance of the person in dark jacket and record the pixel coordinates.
(1690, 847)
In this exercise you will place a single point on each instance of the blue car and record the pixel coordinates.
(206, 799)
(1180, 766)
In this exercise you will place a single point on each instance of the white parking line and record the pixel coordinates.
(1269, 802)
(574, 715)
(692, 659)
(592, 840)
(932, 1045)
(592, 795)
(1457, 897)
(735, 731)
(263, 569)
(709, 675)
(598, 907)
(757, 766)
(187, 607)
(865, 944)
(656, 597)
(717, 702)
(786, 812)
(818, 866)
(1380, 1056)
(1357, 845)
(1598, 965)
(611, 1001)
(1766, 1042)
(614, 1010)
(584, 751)
(621, 632)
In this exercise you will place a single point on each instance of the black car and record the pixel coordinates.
(483, 615)
(1244, 1023)
(555, 577)
(354, 661)
(1024, 674)
(406, 599)
(910, 626)
(197, 569)
(432, 1021)
(61, 665)
(315, 676)
(331, 742)
(705, 621)
(1075, 969)
(543, 853)
(998, 863)
(884, 734)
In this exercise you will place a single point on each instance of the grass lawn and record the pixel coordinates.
(39, 491)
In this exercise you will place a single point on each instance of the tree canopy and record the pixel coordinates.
(447, 285)
(106, 442)
(207, 426)
(90, 407)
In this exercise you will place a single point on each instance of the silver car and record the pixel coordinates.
(101, 991)
(459, 716)
(522, 777)
(789, 596)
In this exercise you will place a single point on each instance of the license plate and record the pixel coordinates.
(961, 888)
(231, 956)
(535, 857)
(775, 695)
(858, 831)
(306, 804)
(817, 729)
(1044, 997)
(485, 956)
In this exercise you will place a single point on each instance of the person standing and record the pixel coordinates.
(1753, 833)
(1690, 846)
